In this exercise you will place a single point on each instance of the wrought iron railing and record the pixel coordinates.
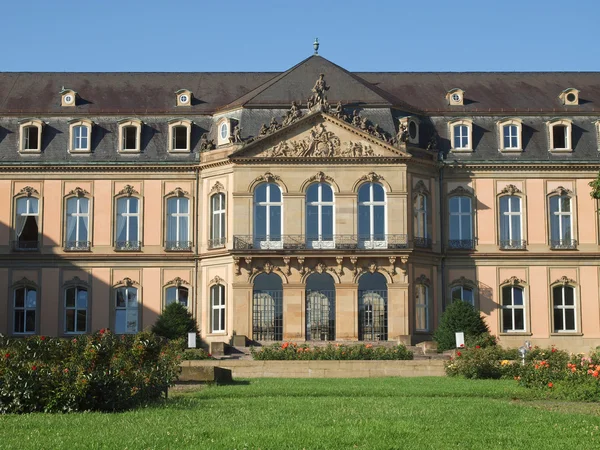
(513, 244)
(563, 244)
(26, 246)
(74, 246)
(422, 242)
(128, 245)
(217, 242)
(175, 246)
(331, 242)
(461, 244)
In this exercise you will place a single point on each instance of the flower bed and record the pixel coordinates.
(303, 352)
(103, 372)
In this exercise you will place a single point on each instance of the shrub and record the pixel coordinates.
(196, 354)
(101, 372)
(175, 322)
(459, 316)
(292, 351)
(482, 362)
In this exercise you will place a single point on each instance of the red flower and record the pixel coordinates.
(34, 368)
(553, 349)
(7, 355)
(550, 385)
(42, 338)
(458, 354)
(66, 371)
(477, 346)
(209, 355)
(285, 345)
(462, 345)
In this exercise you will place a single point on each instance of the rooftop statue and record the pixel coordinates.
(236, 135)
(319, 96)
(207, 144)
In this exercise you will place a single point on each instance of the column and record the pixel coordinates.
(346, 312)
(242, 309)
(294, 311)
(398, 313)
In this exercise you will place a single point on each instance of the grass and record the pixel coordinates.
(376, 413)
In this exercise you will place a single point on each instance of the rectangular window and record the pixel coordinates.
(513, 309)
(561, 222)
(461, 137)
(180, 138)
(217, 238)
(217, 300)
(128, 217)
(563, 298)
(510, 223)
(559, 137)
(76, 306)
(511, 136)
(26, 224)
(178, 224)
(130, 138)
(126, 310)
(31, 138)
(77, 237)
(461, 223)
(24, 310)
(422, 307)
(80, 138)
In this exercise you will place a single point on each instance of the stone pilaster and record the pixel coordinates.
(346, 312)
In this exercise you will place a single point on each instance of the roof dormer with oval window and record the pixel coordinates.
(183, 97)
(569, 97)
(455, 97)
(68, 97)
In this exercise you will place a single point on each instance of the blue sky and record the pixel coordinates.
(196, 35)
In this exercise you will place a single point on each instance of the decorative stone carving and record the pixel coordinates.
(510, 189)
(392, 260)
(78, 192)
(371, 177)
(216, 280)
(128, 190)
(372, 267)
(319, 96)
(177, 192)
(354, 260)
(422, 279)
(320, 143)
(248, 260)
(340, 264)
(28, 191)
(513, 281)
(420, 188)
(564, 280)
(177, 281)
(320, 268)
(462, 281)
(459, 191)
(320, 177)
(236, 135)
(338, 112)
(357, 150)
(126, 282)
(268, 267)
(432, 144)
(292, 115)
(286, 263)
(25, 282)
(236, 265)
(402, 135)
(268, 177)
(301, 264)
(217, 187)
(560, 190)
(206, 144)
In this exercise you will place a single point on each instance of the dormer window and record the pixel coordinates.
(569, 97)
(455, 97)
(180, 133)
(410, 125)
(559, 135)
(597, 128)
(30, 136)
(68, 97)
(130, 131)
(81, 136)
(223, 130)
(461, 131)
(509, 134)
(184, 97)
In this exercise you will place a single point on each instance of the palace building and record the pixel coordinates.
(314, 204)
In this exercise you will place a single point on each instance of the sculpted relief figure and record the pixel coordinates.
(319, 96)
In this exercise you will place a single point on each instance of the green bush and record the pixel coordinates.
(99, 372)
(196, 354)
(292, 351)
(482, 362)
(459, 316)
(175, 322)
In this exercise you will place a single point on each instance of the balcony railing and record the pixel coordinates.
(178, 246)
(217, 242)
(26, 246)
(563, 244)
(125, 246)
(461, 244)
(74, 246)
(330, 242)
(513, 244)
(422, 242)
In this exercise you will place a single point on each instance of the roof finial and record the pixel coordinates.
(316, 46)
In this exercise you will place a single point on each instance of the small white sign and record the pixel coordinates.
(460, 339)
(191, 340)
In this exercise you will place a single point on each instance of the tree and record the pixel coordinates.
(459, 316)
(175, 322)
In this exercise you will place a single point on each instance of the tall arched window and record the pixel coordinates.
(421, 236)
(421, 307)
(372, 307)
(128, 223)
(126, 310)
(77, 223)
(76, 309)
(267, 308)
(511, 236)
(267, 216)
(217, 213)
(320, 307)
(461, 223)
(561, 222)
(319, 216)
(217, 302)
(26, 224)
(371, 216)
(513, 309)
(564, 318)
(178, 224)
(177, 294)
(25, 310)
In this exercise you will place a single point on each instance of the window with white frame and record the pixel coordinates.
(178, 224)
(27, 223)
(420, 213)
(561, 222)
(268, 204)
(30, 131)
(461, 135)
(76, 309)
(319, 215)
(80, 135)
(217, 301)
(461, 222)
(77, 232)
(513, 309)
(559, 133)
(217, 231)
(128, 222)
(177, 294)
(463, 293)
(130, 132)
(511, 236)
(126, 310)
(371, 215)
(24, 310)
(564, 317)
(421, 307)
(180, 133)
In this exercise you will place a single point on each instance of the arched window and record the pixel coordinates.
(461, 223)
(217, 212)
(320, 307)
(421, 307)
(267, 216)
(176, 294)
(217, 302)
(463, 293)
(81, 134)
(25, 310)
(319, 216)
(564, 318)
(561, 222)
(77, 223)
(421, 236)
(128, 223)
(371, 216)
(76, 309)
(513, 309)
(511, 236)
(26, 224)
(267, 308)
(461, 131)
(178, 224)
(126, 310)
(372, 307)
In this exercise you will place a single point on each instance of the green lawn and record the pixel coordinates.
(377, 413)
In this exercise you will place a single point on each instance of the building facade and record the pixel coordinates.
(314, 204)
